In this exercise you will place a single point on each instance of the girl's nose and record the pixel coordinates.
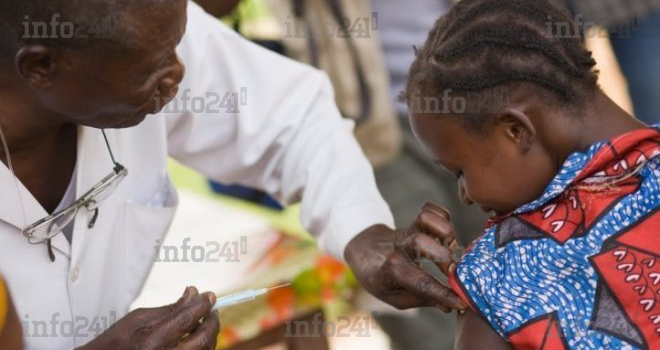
(462, 193)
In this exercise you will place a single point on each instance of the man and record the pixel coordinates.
(240, 114)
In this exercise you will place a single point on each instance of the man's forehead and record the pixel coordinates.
(144, 29)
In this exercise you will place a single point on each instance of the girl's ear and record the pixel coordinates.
(517, 127)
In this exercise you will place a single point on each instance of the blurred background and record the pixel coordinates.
(365, 47)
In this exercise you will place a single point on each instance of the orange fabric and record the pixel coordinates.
(3, 304)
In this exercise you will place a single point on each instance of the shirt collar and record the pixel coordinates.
(23, 208)
(580, 165)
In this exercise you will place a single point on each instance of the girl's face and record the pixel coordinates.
(499, 169)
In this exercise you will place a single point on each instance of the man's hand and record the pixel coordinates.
(189, 324)
(386, 262)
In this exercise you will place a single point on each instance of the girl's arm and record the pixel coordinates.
(473, 333)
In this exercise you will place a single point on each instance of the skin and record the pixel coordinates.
(387, 262)
(472, 332)
(218, 8)
(56, 90)
(184, 325)
(526, 142)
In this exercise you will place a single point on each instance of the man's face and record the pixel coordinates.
(492, 168)
(118, 88)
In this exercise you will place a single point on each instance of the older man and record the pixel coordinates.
(82, 209)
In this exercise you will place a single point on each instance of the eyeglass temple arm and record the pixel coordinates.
(118, 167)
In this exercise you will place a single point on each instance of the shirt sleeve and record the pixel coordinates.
(249, 116)
(476, 278)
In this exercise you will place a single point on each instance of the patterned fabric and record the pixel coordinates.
(578, 268)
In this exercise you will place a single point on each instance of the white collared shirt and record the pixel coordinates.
(288, 139)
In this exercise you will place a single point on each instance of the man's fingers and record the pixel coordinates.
(205, 337)
(437, 209)
(185, 317)
(406, 298)
(187, 296)
(435, 222)
(419, 246)
(166, 312)
(159, 315)
(427, 289)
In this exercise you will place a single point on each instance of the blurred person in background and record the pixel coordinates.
(339, 37)
(412, 177)
(634, 32)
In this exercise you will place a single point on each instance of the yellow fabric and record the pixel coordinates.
(3, 304)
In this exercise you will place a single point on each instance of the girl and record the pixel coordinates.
(571, 255)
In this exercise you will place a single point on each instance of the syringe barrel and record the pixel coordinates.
(238, 298)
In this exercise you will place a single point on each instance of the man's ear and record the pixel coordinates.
(517, 126)
(36, 64)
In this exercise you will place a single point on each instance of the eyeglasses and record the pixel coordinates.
(52, 225)
(47, 228)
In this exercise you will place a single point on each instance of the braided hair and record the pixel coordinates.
(481, 45)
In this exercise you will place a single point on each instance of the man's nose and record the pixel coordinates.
(174, 76)
(463, 194)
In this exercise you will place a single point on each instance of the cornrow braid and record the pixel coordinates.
(481, 45)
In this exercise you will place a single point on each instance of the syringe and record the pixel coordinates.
(241, 297)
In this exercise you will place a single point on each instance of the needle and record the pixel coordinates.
(280, 286)
(244, 296)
